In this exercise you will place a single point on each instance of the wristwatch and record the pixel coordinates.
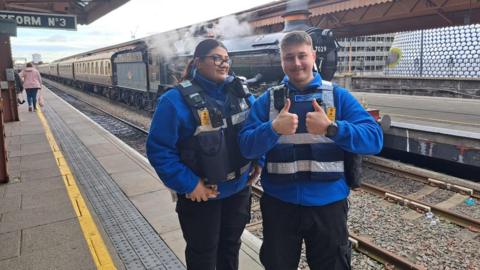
(332, 129)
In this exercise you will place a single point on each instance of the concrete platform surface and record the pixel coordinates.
(38, 227)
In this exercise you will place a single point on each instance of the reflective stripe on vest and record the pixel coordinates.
(303, 138)
(237, 118)
(243, 170)
(304, 166)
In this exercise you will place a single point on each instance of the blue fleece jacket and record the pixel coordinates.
(357, 133)
(173, 122)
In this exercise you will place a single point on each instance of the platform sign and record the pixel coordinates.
(41, 20)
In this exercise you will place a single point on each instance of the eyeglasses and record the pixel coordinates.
(218, 60)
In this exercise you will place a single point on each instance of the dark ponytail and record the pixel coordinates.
(202, 49)
(187, 73)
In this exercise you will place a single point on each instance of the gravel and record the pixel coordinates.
(428, 241)
(438, 196)
(406, 186)
(396, 183)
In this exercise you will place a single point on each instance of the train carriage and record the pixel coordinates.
(44, 69)
(66, 71)
(53, 69)
(94, 72)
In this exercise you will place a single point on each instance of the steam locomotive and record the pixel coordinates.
(137, 72)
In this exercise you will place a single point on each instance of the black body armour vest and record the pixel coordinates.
(213, 152)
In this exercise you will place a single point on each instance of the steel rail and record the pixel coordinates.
(464, 221)
(475, 193)
(380, 254)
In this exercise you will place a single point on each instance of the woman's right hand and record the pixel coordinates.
(202, 192)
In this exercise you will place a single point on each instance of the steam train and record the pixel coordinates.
(137, 72)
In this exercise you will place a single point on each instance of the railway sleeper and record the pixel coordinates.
(403, 201)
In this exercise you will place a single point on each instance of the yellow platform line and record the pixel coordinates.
(94, 240)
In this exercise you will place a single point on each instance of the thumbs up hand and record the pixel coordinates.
(317, 121)
(285, 123)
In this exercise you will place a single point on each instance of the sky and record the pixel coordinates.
(137, 18)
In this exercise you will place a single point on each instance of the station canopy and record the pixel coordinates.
(86, 11)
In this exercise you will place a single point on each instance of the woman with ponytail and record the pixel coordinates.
(193, 147)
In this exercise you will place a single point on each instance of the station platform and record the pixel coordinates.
(455, 116)
(438, 127)
(79, 198)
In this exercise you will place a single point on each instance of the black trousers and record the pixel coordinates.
(212, 230)
(323, 228)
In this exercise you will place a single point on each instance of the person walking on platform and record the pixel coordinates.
(32, 82)
(193, 146)
(305, 126)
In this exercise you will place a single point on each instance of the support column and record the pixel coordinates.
(8, 99)
(3, 150)
(9, 95)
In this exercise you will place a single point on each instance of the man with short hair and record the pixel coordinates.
(304, 127)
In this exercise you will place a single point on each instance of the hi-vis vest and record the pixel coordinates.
(304, 156)
(213, 152)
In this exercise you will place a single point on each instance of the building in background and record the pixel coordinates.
(444, 52)
(364, 55)
(36, 58)
(19, 63)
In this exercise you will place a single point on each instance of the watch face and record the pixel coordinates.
(332, 130)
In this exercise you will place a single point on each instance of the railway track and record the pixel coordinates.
(129, 132)
(425, 186)
(380, 164)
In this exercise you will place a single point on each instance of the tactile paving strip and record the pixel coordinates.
(135, 241)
